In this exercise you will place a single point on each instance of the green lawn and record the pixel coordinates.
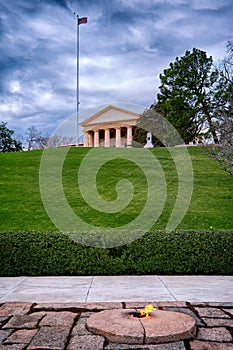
(22, 208)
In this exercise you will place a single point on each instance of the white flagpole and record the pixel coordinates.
(78, 22)
(77, 79)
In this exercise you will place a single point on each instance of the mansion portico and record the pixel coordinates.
(110, 127)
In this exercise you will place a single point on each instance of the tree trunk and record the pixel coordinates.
(212, 130)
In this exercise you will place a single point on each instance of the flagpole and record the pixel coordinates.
(77, 78)
(81, 20)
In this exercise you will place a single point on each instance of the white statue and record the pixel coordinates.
(149, 143)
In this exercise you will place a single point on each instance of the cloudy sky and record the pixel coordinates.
(124, 47)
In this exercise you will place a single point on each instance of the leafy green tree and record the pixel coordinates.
(163, 132)
(187, 94)
(150, 120)
(7, 142)
(139, 137)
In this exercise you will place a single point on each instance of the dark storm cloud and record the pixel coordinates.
(123, 48)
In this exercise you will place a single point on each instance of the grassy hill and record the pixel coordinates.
(22, 208)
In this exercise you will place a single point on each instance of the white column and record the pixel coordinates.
(91, 143)
(86, 139)
(118, 137)
(129, 135)
(107, 138)
(96, 138)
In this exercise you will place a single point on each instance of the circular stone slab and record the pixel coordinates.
(120, 326)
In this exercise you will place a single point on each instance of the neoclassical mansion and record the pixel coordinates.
(110, 127)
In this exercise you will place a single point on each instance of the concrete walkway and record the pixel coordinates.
(92, 289)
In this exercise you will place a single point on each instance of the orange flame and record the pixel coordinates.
(147, 309)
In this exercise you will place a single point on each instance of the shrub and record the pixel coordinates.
(179, 252)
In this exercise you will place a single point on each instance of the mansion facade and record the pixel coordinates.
(110, 127)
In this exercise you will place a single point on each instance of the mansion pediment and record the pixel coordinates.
(111, 115)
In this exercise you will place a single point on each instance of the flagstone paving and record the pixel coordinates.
(62, 326)
(50, 313)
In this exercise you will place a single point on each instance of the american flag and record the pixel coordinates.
(82, 20)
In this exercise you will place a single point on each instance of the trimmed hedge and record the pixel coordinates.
(179, 252)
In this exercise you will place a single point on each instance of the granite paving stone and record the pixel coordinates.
(218, 322)
(80, 327)
(220, 334)
(214, 304)
(86, 342)
(211, 312)
(58, 319)
(23, 321)
(3, 320)
(229, 311)
(4, 334)
(13, 347)
(87, 314)
(77, 306)
(15, 308)
(50, 338)
(54, 306)
(171, 304)
(169, 346)
(200, 345)
(22, 336)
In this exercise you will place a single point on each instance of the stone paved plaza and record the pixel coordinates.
(61, 326)
(50, 313)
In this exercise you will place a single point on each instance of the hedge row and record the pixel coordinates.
(180, 252)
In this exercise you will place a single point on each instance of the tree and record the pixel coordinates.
(59, 140)
(224, 95)
(224, 113)
(7, 142)
(163, 132)
(34, 138)
(187, 94)
(149, 121)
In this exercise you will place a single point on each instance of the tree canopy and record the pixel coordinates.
(195, 96)
(187, 94)
(7, 142)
